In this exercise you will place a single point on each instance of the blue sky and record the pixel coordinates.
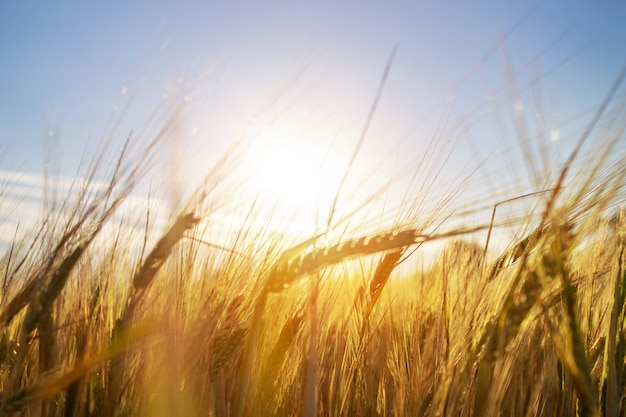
(63, 66)
(69, 60)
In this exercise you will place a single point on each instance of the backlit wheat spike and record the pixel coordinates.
(283, 273)
(516, 252)
(386, 265)
(384, 269)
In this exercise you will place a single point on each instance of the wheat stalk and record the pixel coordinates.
(141, 282)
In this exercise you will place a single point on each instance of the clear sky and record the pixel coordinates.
(311, 68)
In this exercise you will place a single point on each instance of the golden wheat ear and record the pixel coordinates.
(288, 269)
(385, 267)
(513, 254)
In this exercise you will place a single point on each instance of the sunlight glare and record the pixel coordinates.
(295, 176)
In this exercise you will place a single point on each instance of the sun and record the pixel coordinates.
(294, 169)
(295, 175)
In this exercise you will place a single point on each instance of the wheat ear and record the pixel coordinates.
(288, 268)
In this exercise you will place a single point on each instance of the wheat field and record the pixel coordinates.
(105, 317)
